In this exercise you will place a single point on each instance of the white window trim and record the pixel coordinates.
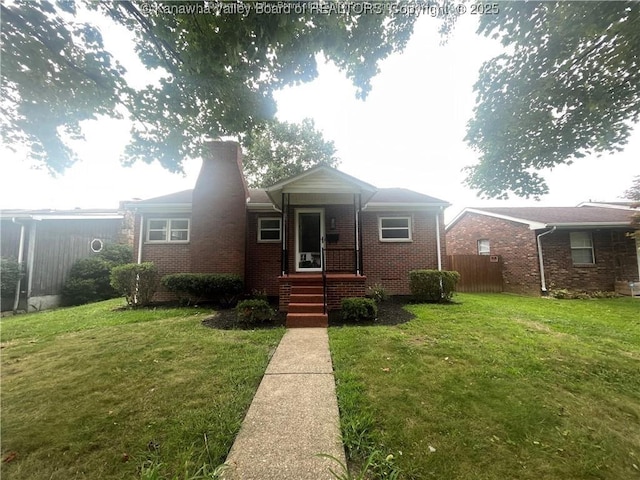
(260, 229)
(488, 252)
(593, 254)
(395, 240)
(168, 230)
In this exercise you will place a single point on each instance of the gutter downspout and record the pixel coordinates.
(438, 239)
(140, 237)
(31, 254)
(16, 300)
(543, 282)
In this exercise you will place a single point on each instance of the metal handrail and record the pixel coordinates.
(324, 279)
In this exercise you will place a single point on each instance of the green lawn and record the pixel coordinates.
(496, 387)
(98, 393)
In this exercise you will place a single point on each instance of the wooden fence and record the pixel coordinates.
(478, 273)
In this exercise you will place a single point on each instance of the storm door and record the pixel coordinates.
(309, 239)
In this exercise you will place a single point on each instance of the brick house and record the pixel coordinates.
(578, 248)
(309, 240)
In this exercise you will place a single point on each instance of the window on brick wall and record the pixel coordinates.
(484, 246)
(394, 229)
(269, 229)
(165, 230)
(582, 248)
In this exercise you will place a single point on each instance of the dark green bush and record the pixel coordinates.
(433, 286)
(89, 278)
(254, 311)
(358, 309)
(196, 287)
(137, 282)
(88, 282)
(9, 276)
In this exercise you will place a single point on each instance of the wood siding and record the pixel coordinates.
(59, 243)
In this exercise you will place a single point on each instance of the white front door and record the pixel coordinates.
(309, 239)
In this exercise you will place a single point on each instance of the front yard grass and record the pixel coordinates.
(97, 393)
(496, 387)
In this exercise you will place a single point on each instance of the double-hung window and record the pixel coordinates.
(484, 246)
(394, 229)
(581, 248)
(166, 230)
(269, 229)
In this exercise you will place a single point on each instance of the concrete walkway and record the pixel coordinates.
(293, 416)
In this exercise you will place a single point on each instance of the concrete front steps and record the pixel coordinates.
(306, 307)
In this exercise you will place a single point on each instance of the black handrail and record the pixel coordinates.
(324, 280)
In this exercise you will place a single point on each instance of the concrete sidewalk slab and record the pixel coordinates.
(293, 416)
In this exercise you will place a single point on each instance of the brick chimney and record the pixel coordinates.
(219, 218)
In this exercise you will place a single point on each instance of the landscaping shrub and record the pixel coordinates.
(9, 276)
(89, 278)
(566, 294)
(196, 287)
(254, 311)
(377, 292)
(137, 282)
(432, 285)
(358, 309)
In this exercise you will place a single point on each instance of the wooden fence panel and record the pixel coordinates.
(478, 273)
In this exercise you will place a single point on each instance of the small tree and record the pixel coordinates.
(137, 282)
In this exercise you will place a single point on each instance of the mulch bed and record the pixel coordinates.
(390, 312)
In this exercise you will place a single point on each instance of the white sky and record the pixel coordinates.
(408, 133)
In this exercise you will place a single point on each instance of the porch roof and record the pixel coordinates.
(320, 180)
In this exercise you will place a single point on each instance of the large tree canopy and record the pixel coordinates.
(222, 68)
(568, 86)
(280, 150)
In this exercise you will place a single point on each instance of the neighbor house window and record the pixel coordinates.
(581, 248)
(269, 229)
(395, 229)
(484, 247)
(168, 230)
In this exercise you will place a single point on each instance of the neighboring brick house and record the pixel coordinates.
(286, 239)
(578, 248)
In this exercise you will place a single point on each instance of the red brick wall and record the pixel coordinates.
(389, 263)
(168, 257)
(612, 262)
(218, 227)
(513, 241)
(263, 259)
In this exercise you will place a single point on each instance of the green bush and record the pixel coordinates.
(432, 286)
(88, 282)
(89, 278)
(254, 311)
(115, 254)
(137, 282)
(196, 287)
(9, 276)
(359, 309)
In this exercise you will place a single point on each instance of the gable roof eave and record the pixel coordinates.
(531, 224)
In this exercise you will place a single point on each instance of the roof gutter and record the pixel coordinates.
(543, 282)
